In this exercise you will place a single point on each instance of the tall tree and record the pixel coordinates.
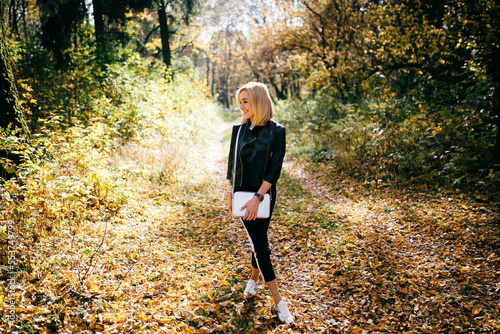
(329, 33)
(245, 47)
(10, 108)
(449, 50)
(110, 18)
(60, 22)
(98, 14)
(168, 12)
(164, 33)
(478, 28)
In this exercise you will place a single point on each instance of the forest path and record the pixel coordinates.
(349, 258)
(395, 218)
(215, 160)
(344, 251)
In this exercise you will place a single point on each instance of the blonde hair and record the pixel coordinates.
(262, 105)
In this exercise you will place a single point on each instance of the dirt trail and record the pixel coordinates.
(344, 205)
(390, 212)
(442, 242)
(215, 160)
(394, 254)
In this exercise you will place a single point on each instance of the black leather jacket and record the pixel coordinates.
(268, 154)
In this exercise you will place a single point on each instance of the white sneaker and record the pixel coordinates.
(283, 313)
(251, 288)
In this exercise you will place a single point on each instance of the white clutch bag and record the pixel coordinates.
(240, 198)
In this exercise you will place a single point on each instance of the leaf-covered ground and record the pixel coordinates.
(349, 259)
(412, 261)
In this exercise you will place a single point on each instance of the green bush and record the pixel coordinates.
(393, 139)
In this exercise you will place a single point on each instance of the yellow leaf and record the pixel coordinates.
(476, 310)
(92, 322)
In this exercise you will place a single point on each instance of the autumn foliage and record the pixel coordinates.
(114, 218)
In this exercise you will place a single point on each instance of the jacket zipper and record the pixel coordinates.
(265, 162)
(241, 162)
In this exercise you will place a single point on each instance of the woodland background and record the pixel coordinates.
(108, 110)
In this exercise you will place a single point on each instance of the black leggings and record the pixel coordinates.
(257, 235)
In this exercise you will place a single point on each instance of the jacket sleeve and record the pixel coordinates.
(230, 159)
(278, 149)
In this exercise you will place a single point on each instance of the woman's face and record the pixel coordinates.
(246, 106)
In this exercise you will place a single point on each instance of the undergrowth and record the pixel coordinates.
(394, 142)
(133, 250)
(85, 171)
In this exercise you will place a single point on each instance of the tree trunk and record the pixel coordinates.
(10, 107)
(165, 34)
(10, 112)
(280, 93)
(99, 25)
(496, 113)
(212, 88)
(13, 19)
(208, 71)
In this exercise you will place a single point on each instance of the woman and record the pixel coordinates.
(260, 152)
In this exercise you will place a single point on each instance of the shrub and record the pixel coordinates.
(404, 139)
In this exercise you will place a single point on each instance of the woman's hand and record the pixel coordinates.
(252, 207)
